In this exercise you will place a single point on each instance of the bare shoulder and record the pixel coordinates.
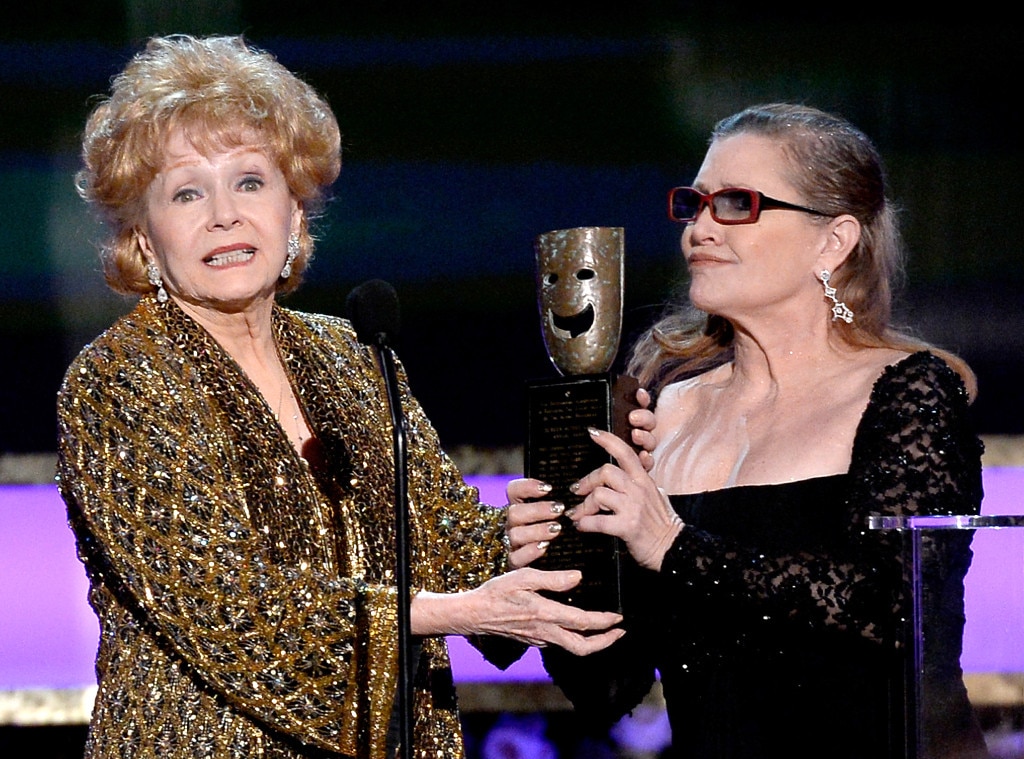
(864, 367)
(877, 360)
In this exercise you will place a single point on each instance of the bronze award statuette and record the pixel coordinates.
(579, 283)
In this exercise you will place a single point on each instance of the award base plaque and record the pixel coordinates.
(559, 451)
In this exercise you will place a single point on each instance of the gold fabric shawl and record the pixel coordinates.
(247, 599)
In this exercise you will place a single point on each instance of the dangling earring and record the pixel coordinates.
(293, 253)
(839, 309)
(157, 281)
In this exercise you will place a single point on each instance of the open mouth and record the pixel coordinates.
(571, 326)
(230, 257)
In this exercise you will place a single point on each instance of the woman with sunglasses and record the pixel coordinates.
(788, 411)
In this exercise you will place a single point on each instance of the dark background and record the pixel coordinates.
(468, 132)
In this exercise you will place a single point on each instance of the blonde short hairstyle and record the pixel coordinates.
(221, 91)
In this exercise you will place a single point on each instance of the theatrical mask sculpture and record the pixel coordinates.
(580, 278)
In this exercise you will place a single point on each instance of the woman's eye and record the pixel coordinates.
(186, 195)
(737, 201)
(250, 184)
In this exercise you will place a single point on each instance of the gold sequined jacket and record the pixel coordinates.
(247, 599)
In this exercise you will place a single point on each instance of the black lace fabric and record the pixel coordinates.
(779, 619)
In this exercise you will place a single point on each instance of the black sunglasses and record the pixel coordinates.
(731, 205)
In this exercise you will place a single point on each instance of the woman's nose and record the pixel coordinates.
(223, 209)
(703, 226)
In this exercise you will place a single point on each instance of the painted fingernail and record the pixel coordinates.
(544, 487)
(570, 512)
(554, 528)
(574, 487)
(557, 507)
(594, 432)
(542, 545)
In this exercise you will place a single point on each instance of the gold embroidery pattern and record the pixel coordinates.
(246, 599)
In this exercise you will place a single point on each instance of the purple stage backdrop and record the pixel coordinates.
(48, 632)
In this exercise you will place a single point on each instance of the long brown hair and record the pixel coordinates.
(837, 170)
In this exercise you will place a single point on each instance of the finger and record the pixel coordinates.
(595, 479)
(533, 534)
(644, 440)
(591, 621)
(647, 460)
(606, 497)
(642, 418)
(620, 450)
(574, 619)
(606, 524)
(518, 514)
(608, 476)
(643, 398)
(579, 630)
(557, 580)
(524, 489)
(527, 554)
(582, 645)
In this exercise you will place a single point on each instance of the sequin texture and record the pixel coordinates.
(246, 598)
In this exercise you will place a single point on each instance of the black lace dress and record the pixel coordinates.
(779, 620)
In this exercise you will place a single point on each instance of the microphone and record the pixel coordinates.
(373, 310)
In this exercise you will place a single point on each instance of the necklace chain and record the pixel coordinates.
(297, 426)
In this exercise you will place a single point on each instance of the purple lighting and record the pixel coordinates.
(48, 633)
(994, 587)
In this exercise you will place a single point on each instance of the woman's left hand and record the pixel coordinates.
(624, 501)
(642, 422)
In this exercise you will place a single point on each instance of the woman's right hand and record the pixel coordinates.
(622, 500)
(511, 606)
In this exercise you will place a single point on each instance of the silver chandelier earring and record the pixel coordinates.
(157, 281)
(839, 309)
(293, 253)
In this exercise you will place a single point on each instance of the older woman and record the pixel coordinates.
(788, 411)
(227, 463)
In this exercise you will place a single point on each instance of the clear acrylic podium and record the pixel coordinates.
(993, 644)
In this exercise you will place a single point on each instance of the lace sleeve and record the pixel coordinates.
(914, 453)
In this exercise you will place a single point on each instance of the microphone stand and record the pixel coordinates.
(405, 664)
